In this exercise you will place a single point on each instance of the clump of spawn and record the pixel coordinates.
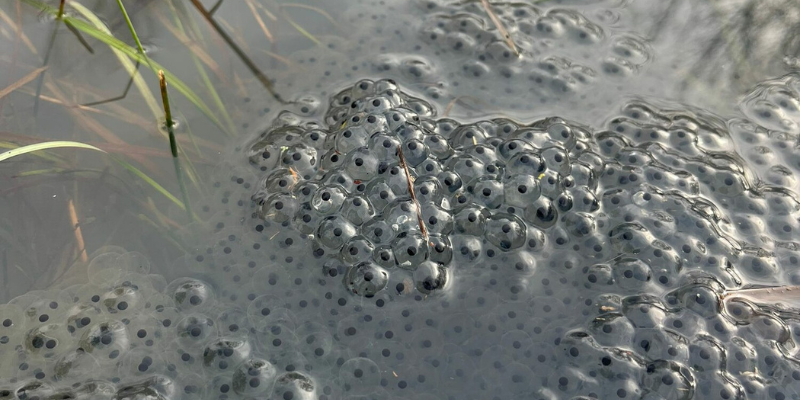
(606, 282)
(579, 58)
(636, 229)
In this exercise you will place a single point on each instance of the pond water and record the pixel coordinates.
(428, 199)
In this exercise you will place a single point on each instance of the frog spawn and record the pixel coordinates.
(558, 263)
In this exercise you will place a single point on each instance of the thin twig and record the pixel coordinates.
(245, 59)
(215, 8)
(120, 97)
(500, 27)
(410, 183)
(73, 218)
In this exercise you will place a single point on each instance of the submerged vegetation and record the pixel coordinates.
(31, 159)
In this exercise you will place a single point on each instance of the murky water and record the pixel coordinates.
(430, 215)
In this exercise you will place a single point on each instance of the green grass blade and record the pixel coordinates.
(131, 52)
(206, 80)
(150, 181)
(65, 143)
(130, 26)
(125, 61)
(44, 146)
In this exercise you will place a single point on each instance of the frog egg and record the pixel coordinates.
(506, 231)
(33, 390)
(94, 389)
(487, 191)
(542, 213)
(75, 365)
(105, 340)
(441, 250)
(358, 210)
(122, 299)
(254, 377)
(471, 220)
(452, 181)
(380, 194)
(12, 326)
(410, 250)
(191, 294)
(352, 136)
(402, 216)
(148, 332)
(360, 376)
(81, 315)
(430, 276)
(280, 207)
(334, 232)
(48, 340)
(377, 231)
(264, 313)
(384, 256)
(194, 330)
(158, 386)
(141, 363)
(295, 385)
(356, 250)
(37, 307)
(362, 164)
(315, 340)
(526, 163)
(225, 353)
(366, 279)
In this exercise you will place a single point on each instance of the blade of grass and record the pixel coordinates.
(173, 145)
(133, 31)
(300, 29)
(500, 27)
(260, 21)
(46, 156)
(65, 143)
(197, 51)
(168, 234)
(92, 125)
(43, 146)
(242, 56)
(312, 8)
(18, 31)
(100, 32)
(154, 66)
(18, 84)
(191, 171)
(100, 29)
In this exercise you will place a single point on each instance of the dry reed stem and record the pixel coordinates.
(410, 184)
(21, 82)
(260, 21)
(500, 27)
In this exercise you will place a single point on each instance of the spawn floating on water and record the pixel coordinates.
(557, 262)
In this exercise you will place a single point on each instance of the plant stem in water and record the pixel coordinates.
(242, 56)
(173, 145)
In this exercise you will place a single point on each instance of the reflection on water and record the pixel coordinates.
(431, 217)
